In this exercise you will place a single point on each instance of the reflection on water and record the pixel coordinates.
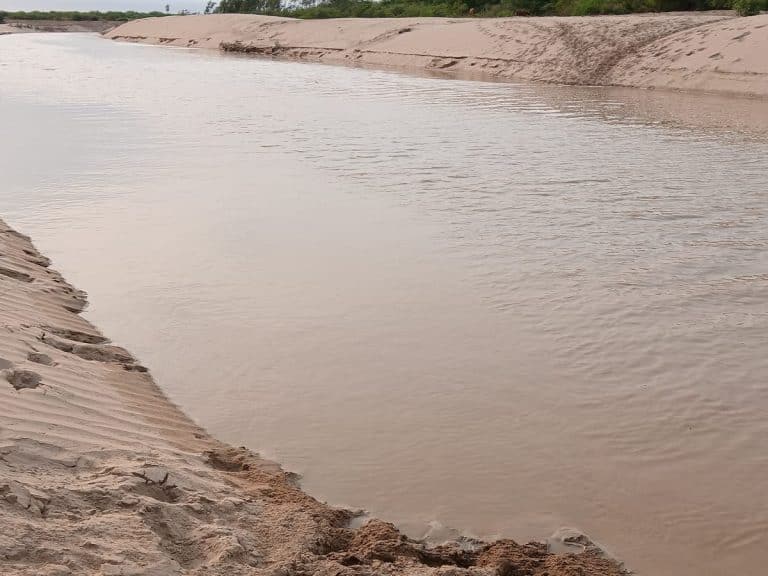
(500, 308)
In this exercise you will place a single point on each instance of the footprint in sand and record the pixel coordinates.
(39, 358)
(23, 379)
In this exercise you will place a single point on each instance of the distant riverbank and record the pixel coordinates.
(20, 26)
(710, 52)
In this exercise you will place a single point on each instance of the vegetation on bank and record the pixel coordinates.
(749, 7)
(310, 9)
(488, 8)
(92, 16)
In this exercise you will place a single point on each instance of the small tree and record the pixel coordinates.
(210, 7)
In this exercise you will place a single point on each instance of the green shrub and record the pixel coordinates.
(486, 8)
(591, 7)
(747, 7)
(80, 16)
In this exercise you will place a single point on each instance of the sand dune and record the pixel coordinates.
(692, 51)
(101, 474)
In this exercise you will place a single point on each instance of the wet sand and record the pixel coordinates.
(710, 52)
(101, 474)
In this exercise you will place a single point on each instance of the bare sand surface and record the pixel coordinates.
(101, 474)
(714, 52)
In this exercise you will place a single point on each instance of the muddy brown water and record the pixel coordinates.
(475, 308)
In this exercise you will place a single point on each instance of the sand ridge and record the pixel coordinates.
(712, 51)
(101, 474)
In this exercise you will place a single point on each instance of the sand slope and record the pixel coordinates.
(728, 56)
(101, 474)
(693, 51)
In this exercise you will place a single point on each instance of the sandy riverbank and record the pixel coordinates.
(714, 52)
(101, 474)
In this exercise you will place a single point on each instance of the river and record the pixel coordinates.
(466, 307)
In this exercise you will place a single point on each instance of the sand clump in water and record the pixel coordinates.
(714, 52)
(101, 474)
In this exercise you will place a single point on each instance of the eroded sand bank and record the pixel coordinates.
(101, 474)
(714, 52)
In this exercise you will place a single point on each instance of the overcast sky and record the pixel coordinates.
(138, 5)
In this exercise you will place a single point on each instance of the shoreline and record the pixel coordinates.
(710, 52)
(101, 474)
